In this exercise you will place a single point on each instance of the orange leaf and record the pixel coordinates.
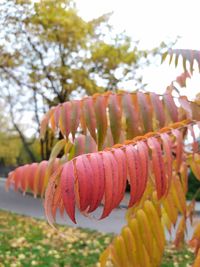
(145, 111)
(179, 147)
(75, 116)
(101, 118)
(131, 116)
(158, 109)
(88, 110)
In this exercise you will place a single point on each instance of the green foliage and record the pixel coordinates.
(12, 152)
(9, 142)
(177, 258)
(30, 242)
(193, 186)
(9, 149)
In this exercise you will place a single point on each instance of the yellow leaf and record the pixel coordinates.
(145, 231)
(197, 260)
(133, 224)
(57, 149)
(155, 224)
(130, 245)
(104, 257)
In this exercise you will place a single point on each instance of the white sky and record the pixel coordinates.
(150, 22)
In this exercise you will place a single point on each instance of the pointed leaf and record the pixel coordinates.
(110, 195)
(179, 147)
(158, 167)
(98, 177)
(143, 155)
(185, 104)
(75, 116)
(155, 224)
(90, 118)
(130, 245)
(158, 109)
(115, 115)
(65, 124)
(122, 172)
(131, 116)
(145, 111)
(134, 175)
(57, 149)
(167, 145)
(171, 107)
(67, 188)
(101, 118)
(84, 183)
(49, 196)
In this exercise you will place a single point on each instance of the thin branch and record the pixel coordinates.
(44, 67)
(20, 84)
(36, 110)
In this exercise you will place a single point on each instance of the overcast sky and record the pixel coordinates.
(150, 22)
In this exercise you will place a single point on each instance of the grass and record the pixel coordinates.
(26, 242)
(29, 242)
(177, 258)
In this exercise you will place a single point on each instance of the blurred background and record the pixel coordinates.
(53, 51)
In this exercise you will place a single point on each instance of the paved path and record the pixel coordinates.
(27, 205)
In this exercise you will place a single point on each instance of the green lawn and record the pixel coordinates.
(29, 242)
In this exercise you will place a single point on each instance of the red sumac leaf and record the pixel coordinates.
(65, 123)
(84, 183)
(98, 176)
(67, 189)
(115, 115)
(122, 172)
(110, 179)
(171, 107)
(101, 119)
(167, 147)
(89, 112)
(146, 111)
(178, 148)
(39, 178)
(134, 174)
(75, 116)
(143, 155)
(132, 125)
(158, 109)
(158, 166)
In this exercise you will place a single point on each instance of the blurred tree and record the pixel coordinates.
(12, 152)
(49, 54)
